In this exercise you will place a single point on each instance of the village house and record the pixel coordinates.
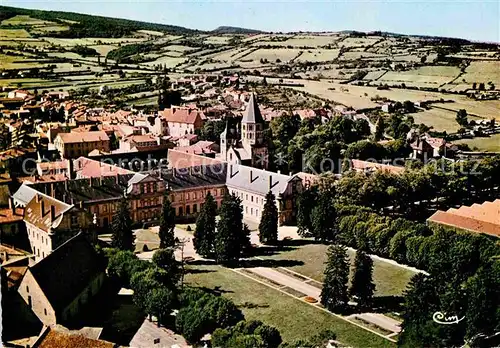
(76, 144)
(19, 93)
(251, 185)
(203, 147)
(181, 121)
(57, 288)
(136, 141)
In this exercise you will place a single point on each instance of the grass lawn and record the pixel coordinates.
(491, 143)
(440, 120)
(390, 280)
(293, 318)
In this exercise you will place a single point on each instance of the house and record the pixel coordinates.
(250, 148)
(135, 141)
(50, 222)
(202, 147)
(19, 93)
(57, 288)
(251, 185)
(427, 147)
(478, 218)
(181, 121)
(76, 144)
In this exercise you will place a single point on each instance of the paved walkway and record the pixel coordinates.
(288, 281)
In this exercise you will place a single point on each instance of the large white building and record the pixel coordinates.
(251, 185)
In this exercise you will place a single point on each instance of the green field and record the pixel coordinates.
(294, 319)
(13, 33)
(491, 143)
(389, 279)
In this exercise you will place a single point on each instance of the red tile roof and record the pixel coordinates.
(179, 160)
(181, 115)
(479, 218)
(81, 137)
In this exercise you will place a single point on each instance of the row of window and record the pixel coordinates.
(180, 210)
(195, 195)
(245, 197)
(38, 235)
(252, 210)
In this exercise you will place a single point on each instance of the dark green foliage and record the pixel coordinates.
(90, 25)
(167, 223)
(160, 302)
(84, 51)
(121, 227)
(379, 130)
(165, 259)
(169, 97)
(362, 286)
(268, 226)
(123, 264)
(462, 118)
(323, 217)
(248, 334)
(334, 293)
(203, 312)
(212, 130)
(230, 237)
(204, 233)
(305, 204)
(123, 53)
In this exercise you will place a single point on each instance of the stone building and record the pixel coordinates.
(248, 147)
(251, 185)
(57, 287)
(76, 144)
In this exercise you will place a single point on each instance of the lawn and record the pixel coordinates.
(293, 318)
(491, 143)
(390, 280)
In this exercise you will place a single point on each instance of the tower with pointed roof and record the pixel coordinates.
(252, 134)
(251, 149)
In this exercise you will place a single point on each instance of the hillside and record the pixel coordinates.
(235, 30)
(83, 25)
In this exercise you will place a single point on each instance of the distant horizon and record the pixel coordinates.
(477, 21)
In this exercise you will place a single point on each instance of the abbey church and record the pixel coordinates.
(248, 146)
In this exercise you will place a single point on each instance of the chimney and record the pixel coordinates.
(71, 169)
(12, 206)
(52, 213)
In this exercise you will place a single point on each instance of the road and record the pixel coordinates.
(380, 320)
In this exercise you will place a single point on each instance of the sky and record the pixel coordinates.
(473, 19)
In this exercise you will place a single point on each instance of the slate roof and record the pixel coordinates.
(67, 271)
(24, 194)
(196, 176)
(38, 212)
(252, 113)
(256, 180)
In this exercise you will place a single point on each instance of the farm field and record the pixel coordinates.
(258, 302)
(491, 143)
(301, 41)
(273, 54)
(13, 33)
(390, 280)
(483, 71)
(440, 120)
(432, 76)
(309, 55)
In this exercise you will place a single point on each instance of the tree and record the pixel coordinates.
(461, 118)
(305, 204)
(247, 334)
(268, 226)
(230, 230)
(167, 223)
(481, 86)
(121, 227)
(334, 293)
(362, 286)
(204, 233)
(160, 302)
(323, 216)
(379, 130)
(165, 259)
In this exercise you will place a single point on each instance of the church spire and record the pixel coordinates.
(252, 113)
